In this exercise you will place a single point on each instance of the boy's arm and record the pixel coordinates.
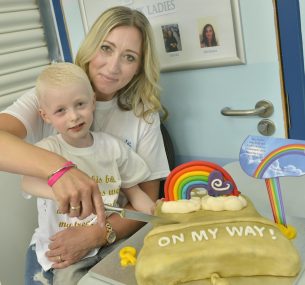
(139, 200)
(37, 187)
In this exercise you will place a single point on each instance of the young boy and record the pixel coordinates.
(67, 102)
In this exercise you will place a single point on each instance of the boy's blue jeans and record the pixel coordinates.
(35, 275)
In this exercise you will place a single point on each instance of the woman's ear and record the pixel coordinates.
(44, 115)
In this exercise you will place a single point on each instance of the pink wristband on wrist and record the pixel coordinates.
(60, 172)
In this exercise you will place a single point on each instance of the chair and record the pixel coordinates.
(170, 153)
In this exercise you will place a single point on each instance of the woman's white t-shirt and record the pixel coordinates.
(144, 138)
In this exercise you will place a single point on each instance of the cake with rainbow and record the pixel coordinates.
(219, 237)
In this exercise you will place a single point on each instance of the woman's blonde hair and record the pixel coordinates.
(59, 75)
(142, 93)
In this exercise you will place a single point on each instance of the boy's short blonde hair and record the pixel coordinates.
(61, 75)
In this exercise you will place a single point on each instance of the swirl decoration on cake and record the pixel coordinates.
(198, 174)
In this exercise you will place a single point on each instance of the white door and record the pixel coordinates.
(196, 97)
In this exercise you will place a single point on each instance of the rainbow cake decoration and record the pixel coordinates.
(198, 174)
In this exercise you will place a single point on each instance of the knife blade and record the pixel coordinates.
(139, 216)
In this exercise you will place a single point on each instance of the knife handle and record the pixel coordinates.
(117, 210)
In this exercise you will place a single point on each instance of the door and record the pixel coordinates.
(195, 98)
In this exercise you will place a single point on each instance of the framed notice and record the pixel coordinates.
(189, 34)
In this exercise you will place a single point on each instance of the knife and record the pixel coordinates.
(134, 215)
(139, 216)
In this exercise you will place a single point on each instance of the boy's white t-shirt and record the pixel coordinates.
(144, 138)
(110, 162)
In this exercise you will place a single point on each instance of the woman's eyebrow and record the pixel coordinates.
(128, 50)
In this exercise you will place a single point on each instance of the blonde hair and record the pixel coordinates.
(142, 93)
(61, 75)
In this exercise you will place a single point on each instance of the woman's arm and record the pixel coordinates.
(37, 187)
(74, 187)
(18, 156)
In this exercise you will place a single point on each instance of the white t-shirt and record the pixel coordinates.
(110, 162)
(144, 138)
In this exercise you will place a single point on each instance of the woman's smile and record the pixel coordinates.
(116, 62)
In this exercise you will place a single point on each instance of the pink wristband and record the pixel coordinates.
(60, 172)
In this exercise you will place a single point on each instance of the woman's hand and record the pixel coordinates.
(72, 244)
(73, 189)
(78, 190)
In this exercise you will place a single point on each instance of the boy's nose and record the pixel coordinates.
(74, 115)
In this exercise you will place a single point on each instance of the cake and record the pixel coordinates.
(219, 237)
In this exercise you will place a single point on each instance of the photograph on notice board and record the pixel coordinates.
(208, 36)
(171, 36)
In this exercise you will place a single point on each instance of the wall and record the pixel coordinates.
(18, 219)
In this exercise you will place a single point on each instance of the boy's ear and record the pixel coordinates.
(44, 116)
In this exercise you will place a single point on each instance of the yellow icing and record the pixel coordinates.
(128, 256)
(290, 232)
(217, 280)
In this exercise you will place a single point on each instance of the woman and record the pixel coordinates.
(171, 43)
(208, 37)
(119, 57)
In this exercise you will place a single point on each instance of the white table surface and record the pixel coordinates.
(110, 272)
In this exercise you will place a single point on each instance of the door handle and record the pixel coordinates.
(262, 109)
